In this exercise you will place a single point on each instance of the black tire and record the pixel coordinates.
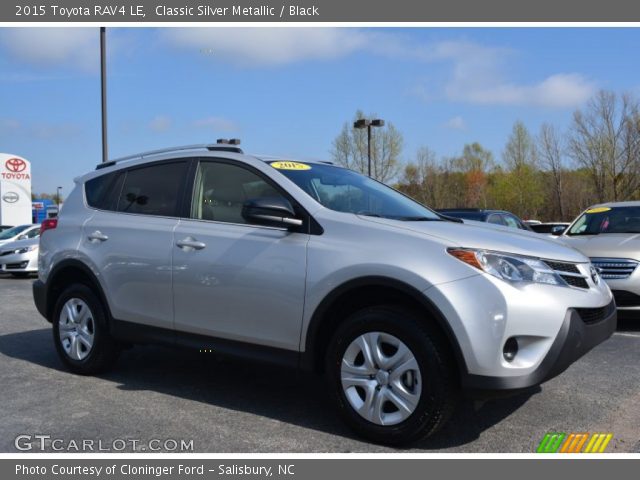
(440, 391)
(105, 349)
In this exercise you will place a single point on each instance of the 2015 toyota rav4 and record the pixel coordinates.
(315, 266)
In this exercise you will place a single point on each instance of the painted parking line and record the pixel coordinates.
(627, 334)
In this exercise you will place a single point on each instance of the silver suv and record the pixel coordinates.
(317, 267)
(608, 233)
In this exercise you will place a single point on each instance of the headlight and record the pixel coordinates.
(26, 249)
(509, 267)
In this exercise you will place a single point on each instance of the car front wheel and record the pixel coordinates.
(392, 375)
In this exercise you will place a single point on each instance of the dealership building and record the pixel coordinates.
(15, 190)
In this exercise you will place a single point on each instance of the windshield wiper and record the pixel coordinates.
(419, 219)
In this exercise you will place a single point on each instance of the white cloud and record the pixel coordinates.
(268, 46)
(45, 47)
(160, 123)
(477, 76)
(217, 124)
(475, 72)
(456, 123)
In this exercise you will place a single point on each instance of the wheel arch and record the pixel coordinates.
(360, 293)
(67, 272)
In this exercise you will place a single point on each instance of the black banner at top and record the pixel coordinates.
(106, 11)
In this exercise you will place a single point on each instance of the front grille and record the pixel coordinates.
(626, 299)
(562, 267)
(595, 315)
(615, 268)
(569, 272)
(6, 252)
(15, 266)
(579, 282)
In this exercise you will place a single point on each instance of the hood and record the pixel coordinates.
(19, 244)
(489, 237)
(613, 245)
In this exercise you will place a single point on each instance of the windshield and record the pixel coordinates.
(346, 191)
(607, 220)
(12, 232)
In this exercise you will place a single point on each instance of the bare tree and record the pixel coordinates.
(550, 148)
(350, 149)
(604, 140)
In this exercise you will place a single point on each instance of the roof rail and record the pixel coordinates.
(204, 146)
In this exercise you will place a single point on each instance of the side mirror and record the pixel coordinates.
(271, 212)
(558, 230)
(22, 237)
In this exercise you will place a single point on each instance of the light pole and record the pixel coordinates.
(58, 196)
(103, 91)
(364, 123)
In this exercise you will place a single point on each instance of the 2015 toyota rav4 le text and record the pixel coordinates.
(315, 266)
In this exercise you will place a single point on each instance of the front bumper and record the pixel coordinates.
(19, 263)
(575, 338)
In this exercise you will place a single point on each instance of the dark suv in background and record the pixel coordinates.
(496, 217)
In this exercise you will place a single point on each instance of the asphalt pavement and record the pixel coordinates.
(157, 396)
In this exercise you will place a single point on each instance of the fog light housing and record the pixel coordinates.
(510, 349)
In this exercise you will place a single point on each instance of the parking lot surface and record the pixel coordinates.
(229, 406)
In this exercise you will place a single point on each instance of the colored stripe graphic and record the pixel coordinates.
(559, 442)
(551, 442)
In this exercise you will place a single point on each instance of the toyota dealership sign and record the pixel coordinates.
(15, 190)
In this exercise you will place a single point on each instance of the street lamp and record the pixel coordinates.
(58, 196)
(364, 123)
(103, 91)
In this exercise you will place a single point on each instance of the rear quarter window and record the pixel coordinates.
(102, 192)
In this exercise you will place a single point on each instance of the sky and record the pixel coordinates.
(289, 91)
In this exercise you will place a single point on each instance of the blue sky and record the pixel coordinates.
(288, 91)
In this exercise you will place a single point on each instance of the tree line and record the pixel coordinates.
(551, 174)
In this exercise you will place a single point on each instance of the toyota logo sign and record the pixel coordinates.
(11, 197)
(15, 165)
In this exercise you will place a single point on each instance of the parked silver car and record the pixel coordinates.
(21, 232)
(20, 258)
(609, 233)
(317, 267)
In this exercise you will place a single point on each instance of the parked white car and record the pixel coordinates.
(20, 258)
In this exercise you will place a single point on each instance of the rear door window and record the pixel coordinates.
(153, 190)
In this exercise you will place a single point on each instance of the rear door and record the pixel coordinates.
(232, 279)
(130, 238)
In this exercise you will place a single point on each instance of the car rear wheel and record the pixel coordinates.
(392, 375)
(80, 332)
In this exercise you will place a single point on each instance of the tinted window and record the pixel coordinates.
(496, 219)
(103, 192)
(221, 190)
(12, 232)
(511, 221)
(33, 233)
(153, 190)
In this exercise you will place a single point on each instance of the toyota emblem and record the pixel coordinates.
(11, 197)
(15, 165)
(594, 275)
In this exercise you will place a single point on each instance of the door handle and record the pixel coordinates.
(97, 236)
(189, 244)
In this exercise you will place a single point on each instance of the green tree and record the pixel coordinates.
(525, 193)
